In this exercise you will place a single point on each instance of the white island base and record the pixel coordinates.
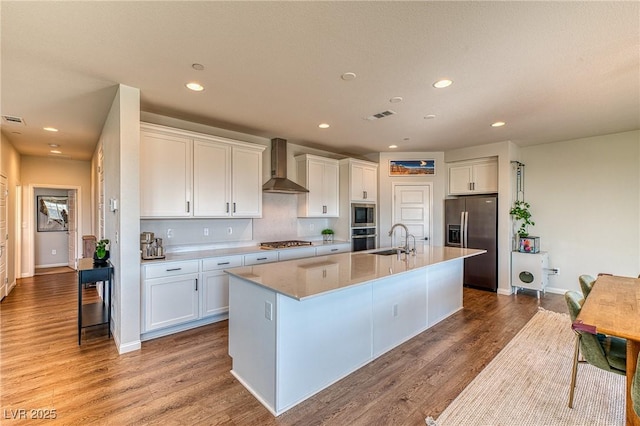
(285, 349)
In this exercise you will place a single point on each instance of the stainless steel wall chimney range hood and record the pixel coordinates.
(279, 182)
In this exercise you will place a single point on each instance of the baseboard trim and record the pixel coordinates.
(52, 265)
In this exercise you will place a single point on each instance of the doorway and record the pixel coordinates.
(412, 207)
(52, 215)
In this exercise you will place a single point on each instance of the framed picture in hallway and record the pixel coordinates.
(52, 213)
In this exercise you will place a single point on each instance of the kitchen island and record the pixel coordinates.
(296, 327)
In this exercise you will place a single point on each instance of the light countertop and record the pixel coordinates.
(305, 278)
(204, 254)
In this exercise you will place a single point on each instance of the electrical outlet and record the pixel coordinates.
(169, 233)
(229, 230)
(206, 232)
(312, 227)
(268, 310)
(395, 310)
(54, 252)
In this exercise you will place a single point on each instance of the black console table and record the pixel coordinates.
(91, 314)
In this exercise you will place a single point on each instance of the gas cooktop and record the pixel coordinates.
(284, 244)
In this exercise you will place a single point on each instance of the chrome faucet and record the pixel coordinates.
(406, 234)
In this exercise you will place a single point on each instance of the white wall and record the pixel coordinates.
(120, 141)
(585, 199)
(10, 167)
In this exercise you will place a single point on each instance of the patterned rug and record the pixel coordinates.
(527, 383)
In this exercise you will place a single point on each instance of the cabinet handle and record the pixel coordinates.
(196, 284)
(227, 207)
(261, 258)
(234, 207)
(364, 194)
(334, 249)
(188, 207)
(324, 209)
(223, 263)
(173, 269)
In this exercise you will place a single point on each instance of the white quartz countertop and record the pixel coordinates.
(304, 278)
(204, 254)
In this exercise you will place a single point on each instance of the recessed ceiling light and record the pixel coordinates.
(324, 125)
(429, 117)
(50, 129)
(197, 67)
(395, 99)
(55, 151)
(393, 146)
(196, 87)
(441, 84)
(347, 76)
(498, 124)
(54, 145)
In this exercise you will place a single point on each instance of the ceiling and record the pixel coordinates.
(551, 70)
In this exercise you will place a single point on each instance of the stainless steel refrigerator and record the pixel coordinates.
(473, 222)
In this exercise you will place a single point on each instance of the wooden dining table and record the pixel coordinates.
(613, 308)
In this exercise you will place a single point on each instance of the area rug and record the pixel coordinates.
(527, 383)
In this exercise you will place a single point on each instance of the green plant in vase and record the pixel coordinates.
(102, 250)
(520, 212)
(327, 235)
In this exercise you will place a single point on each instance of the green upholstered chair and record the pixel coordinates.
(606, 352)
(586, 284)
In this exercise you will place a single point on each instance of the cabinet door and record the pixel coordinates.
(370, 183)
(211, 179)
(330, 189)
(460, 179)
(364, 185)
(214, 294)
(246, 182)
(165, 175)
(485, 177)
(170, 301)
(315, 184)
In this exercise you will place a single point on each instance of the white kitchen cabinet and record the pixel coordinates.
(170, 294)
(333, 249)
(363, 179)
(215, 176)
(321, 177)
(266, 256)
(296, 253)
(473, 177)
(165, 174)
(214, 291)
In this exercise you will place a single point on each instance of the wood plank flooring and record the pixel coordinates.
(184, 379)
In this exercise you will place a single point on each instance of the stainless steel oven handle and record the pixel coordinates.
(363, 236)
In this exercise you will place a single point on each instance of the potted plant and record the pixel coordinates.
(520, 212)
(327, 235)
(101, 254)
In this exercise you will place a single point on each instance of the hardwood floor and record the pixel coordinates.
(184, 379)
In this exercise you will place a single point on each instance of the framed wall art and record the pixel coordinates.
(52, 213)
(412, 167)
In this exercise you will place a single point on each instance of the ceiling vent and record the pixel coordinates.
(13, 120)
(380, 115)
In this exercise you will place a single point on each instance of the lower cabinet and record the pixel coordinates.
(214, 292)
(170, 301)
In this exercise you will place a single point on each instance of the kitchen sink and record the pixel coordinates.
(387, 252)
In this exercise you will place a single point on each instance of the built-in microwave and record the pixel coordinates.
(363, 215)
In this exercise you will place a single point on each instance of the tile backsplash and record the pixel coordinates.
(279, 221)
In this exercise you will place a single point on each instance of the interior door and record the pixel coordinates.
(72, 229)
(412, 207)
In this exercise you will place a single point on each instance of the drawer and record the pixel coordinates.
(169, 269)
(297, 253)
(263, 257)
(224, 262)
(333, 249)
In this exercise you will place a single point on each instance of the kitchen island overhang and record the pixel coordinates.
(297, 327)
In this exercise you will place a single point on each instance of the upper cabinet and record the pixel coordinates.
(187, 174)
(321, 177)
(473, 177)
(363, 179)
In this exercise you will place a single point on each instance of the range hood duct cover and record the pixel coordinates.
(279, 182)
